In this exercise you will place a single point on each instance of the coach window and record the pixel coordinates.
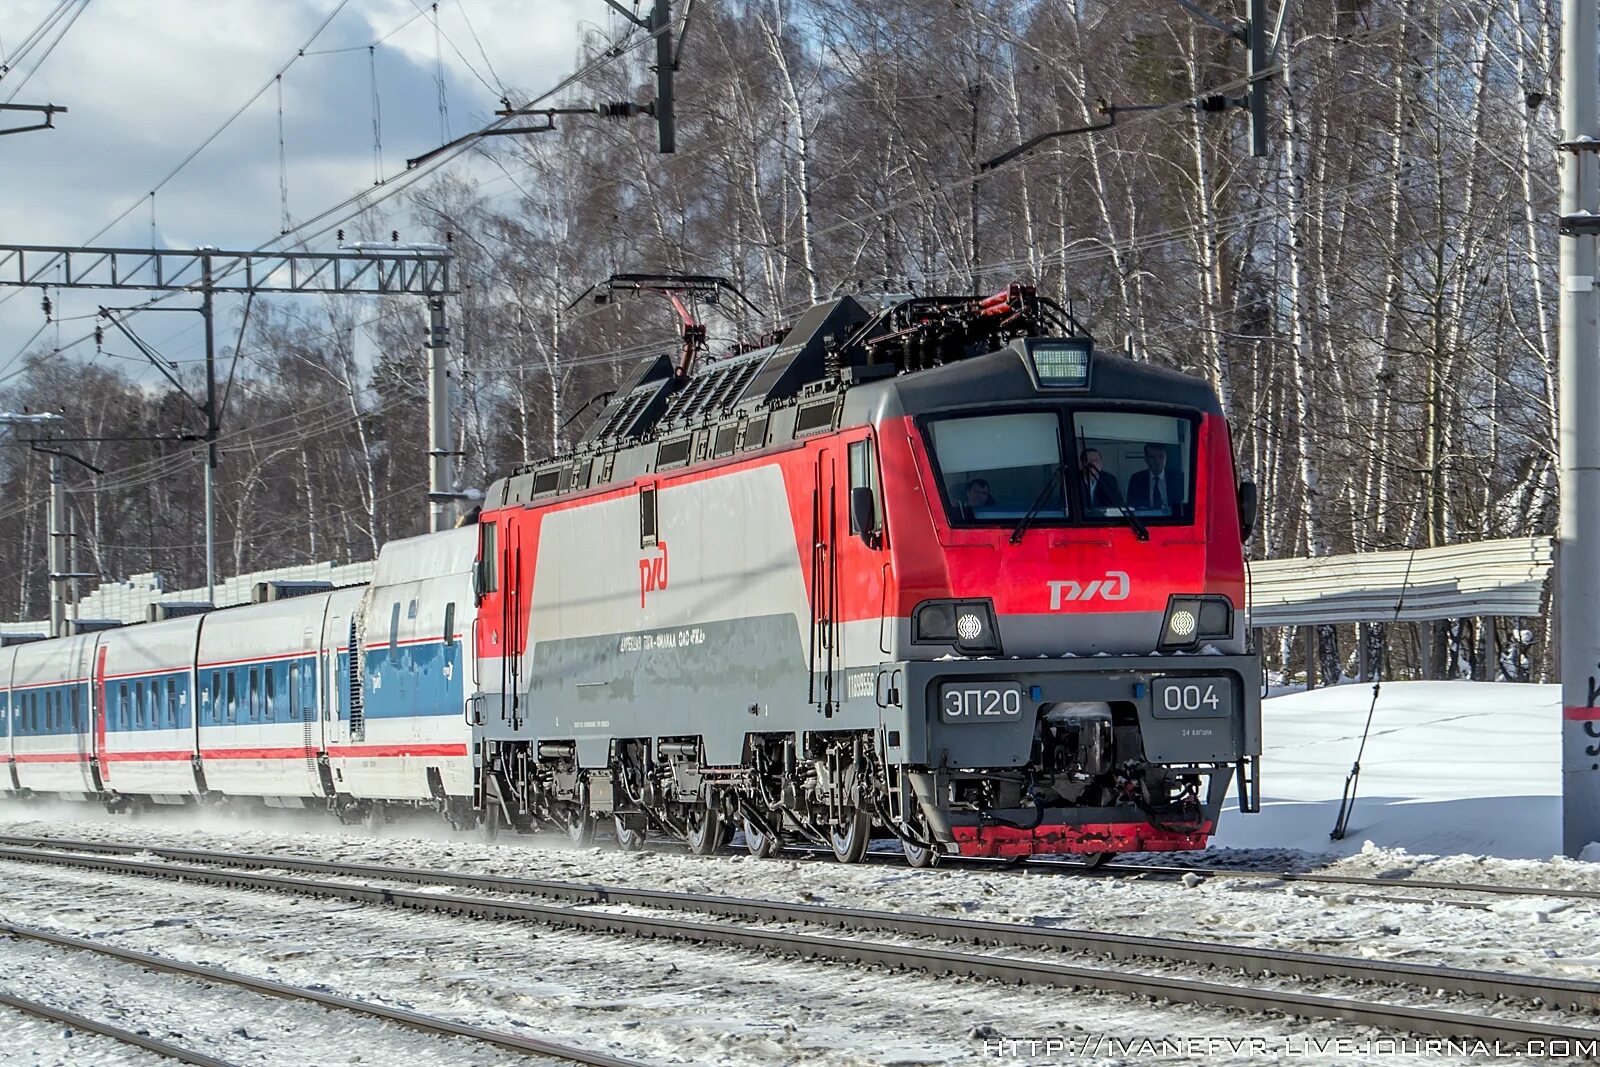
(272, 693)
(394, 627)
(172, 702)
(647, 517)
(450, 624)
(126, 704)
(231, 699)
(255, 694)
(863, 475)
(77, 707)
(217, 706)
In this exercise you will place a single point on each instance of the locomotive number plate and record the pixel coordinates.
(1192, 698)
(993, 702)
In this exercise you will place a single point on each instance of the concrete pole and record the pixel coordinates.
(72, 561)
(1578, 595)
(441, 477)
(58, 547)
(56, 537)
(666, 123)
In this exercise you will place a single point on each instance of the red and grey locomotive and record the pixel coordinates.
(939, 569)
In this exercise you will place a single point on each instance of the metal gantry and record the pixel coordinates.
(364, 270)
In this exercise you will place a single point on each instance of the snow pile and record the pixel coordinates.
(1450, 768)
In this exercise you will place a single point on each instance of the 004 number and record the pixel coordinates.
(982, 703)
(1191, 698)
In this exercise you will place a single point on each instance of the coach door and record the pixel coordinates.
(823, 580)
(863, 560)
(86, 706)
(500, 623)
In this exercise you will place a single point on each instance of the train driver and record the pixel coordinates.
(1099, 485)
(1159, 487)
(976, 497)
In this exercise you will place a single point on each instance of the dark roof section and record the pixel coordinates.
(802, 356)
(1002, 376)
(637, 403)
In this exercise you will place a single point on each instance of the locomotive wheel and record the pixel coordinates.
(628, 840)
(490, 826)
(579, 826)
(707, 831)
(1098, 859)
(920, 855)
(762, 845)
(850, 840)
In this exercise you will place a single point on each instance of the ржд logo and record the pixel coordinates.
(1114, 586)
(653, 572)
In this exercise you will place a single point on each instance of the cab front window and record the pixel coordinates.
(1134, 461)
(1065, 466)
(993, 468)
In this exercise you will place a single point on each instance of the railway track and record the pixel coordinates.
(1312, 878)
(593, 908)
(1176, 872)
(266, 987)
(53, 1014)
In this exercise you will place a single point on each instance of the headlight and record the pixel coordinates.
(1193, 619)
(967, 624)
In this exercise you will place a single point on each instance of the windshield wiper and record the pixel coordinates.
(1140, 531)
(1056, 475)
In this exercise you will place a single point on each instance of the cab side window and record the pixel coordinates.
(864, 475)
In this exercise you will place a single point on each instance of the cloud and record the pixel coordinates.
(146, 81)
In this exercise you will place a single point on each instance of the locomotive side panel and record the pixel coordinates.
(691, 621)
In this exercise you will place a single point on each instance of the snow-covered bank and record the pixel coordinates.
(1451, 768)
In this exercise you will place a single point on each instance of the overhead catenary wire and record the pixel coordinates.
(217, 132)
(51, 47)
(283, 166)
(377, 118)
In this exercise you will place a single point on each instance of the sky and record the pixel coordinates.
(147, 81)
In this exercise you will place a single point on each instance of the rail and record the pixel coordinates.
(1546, 992)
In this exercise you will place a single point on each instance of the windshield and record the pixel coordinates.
(993, 468)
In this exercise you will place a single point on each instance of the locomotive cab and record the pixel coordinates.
(1066, 537)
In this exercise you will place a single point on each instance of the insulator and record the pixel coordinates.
(45, 303)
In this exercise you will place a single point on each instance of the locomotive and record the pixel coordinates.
(937, 569)
(877, 575)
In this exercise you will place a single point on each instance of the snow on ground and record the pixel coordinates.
(1459, 783)
(1450, 768)
(660, 1002)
